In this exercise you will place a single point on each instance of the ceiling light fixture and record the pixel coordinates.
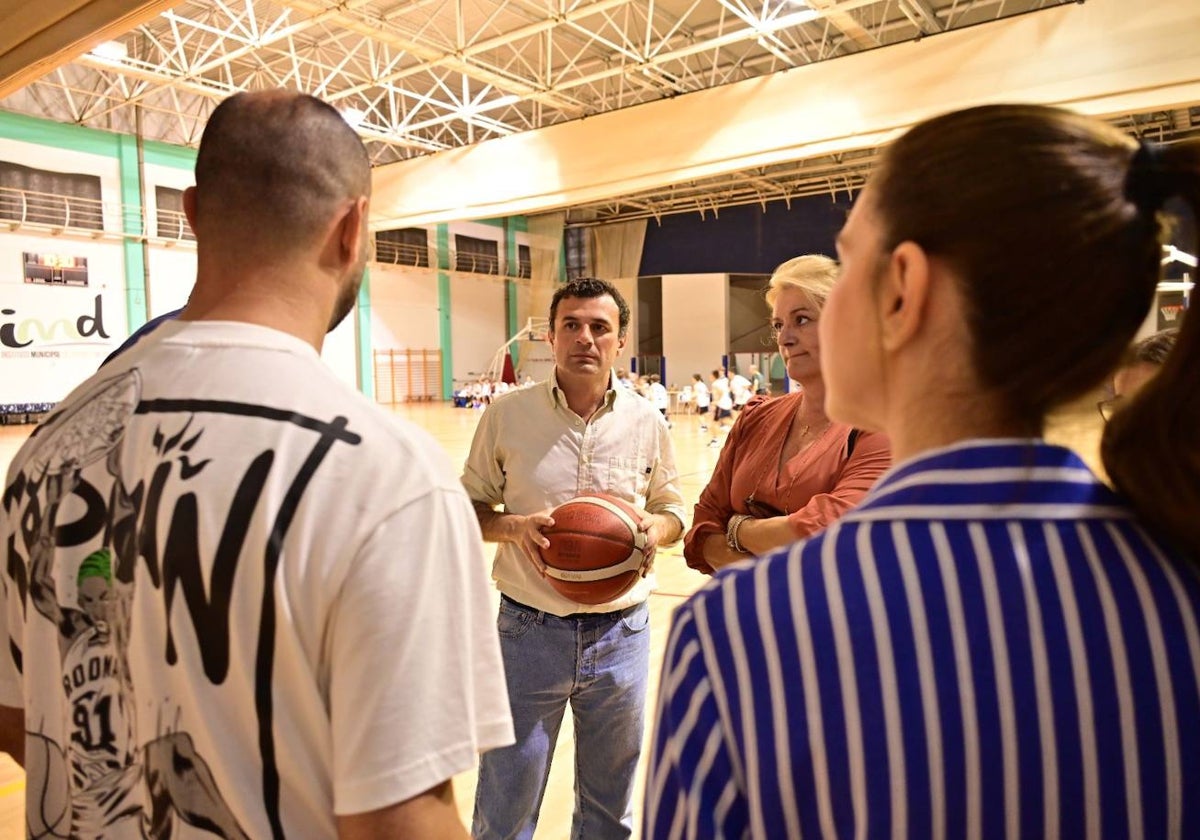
(112, 50)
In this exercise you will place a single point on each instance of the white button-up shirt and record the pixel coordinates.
(532, 452)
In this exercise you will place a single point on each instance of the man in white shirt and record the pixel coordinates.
(659, 397)
(722, 401)
(740, 390)
(580, 432)
(258, 601)
(700, 392)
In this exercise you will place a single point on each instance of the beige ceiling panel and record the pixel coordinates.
(1097, 58)
(36, 37)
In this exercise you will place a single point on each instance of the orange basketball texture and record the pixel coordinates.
(47, 789)
(586, 537)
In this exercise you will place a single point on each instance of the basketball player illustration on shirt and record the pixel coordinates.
(117, 789)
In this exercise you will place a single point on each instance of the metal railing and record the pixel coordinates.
(403, 253)
(462, 262)
(60, 213)
(173, 224)
(21, 209)
(468, 263)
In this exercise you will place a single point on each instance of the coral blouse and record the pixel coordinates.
(814, 488)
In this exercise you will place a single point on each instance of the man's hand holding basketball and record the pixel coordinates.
(530, 539)
(525, 531)
(659, 528)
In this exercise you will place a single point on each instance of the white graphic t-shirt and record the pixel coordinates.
(239, 598)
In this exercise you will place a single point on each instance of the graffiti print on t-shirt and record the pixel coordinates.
(83, 536)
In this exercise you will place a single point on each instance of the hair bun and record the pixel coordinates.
(1147, 184)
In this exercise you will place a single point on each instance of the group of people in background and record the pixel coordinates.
(479, 394)
(923, 619)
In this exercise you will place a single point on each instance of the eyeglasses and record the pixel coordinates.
(1108, 407)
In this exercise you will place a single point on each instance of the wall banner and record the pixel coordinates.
(52, 338)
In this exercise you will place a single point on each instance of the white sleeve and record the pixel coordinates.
(417, 686)
(483, 476)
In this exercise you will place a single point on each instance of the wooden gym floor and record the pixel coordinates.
(1078, 427)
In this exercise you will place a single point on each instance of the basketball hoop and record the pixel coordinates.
(535, 333)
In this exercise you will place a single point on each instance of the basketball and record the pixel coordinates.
(596, 550)
(47, 789)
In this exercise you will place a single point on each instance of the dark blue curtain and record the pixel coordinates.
(743, 239)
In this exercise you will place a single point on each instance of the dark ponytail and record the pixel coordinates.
(1051, 221)
(1058, 266)
(1151, 448)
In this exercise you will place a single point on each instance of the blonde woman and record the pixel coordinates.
(786, 470)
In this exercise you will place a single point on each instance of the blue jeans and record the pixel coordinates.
(600, 664)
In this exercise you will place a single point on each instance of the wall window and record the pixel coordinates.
(477, 256)
(524, 262)
(63, 199)
(168, 210)
(406, 246)
(576, 240)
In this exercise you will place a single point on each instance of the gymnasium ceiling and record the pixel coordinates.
(423, 76)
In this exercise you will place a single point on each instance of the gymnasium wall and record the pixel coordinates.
(479, 323)
(467, 316)
(172, 265)
(695, 324)
(404, 308)
(58, 334)
(52, 336)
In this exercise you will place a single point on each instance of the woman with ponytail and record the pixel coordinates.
(994, 643)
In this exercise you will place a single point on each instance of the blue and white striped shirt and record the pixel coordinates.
(989, 646)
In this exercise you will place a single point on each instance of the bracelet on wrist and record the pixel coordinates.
(731, 531)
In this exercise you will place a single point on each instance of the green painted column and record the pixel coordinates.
(362, 331)
(513, 326)
(132, 202)
(445, 334)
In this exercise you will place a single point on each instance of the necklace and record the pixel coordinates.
(801, 434)
(797, 434)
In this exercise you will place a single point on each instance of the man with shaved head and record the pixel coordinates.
(273, 170)
(292, 598)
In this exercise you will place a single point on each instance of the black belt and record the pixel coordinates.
(609, 615)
